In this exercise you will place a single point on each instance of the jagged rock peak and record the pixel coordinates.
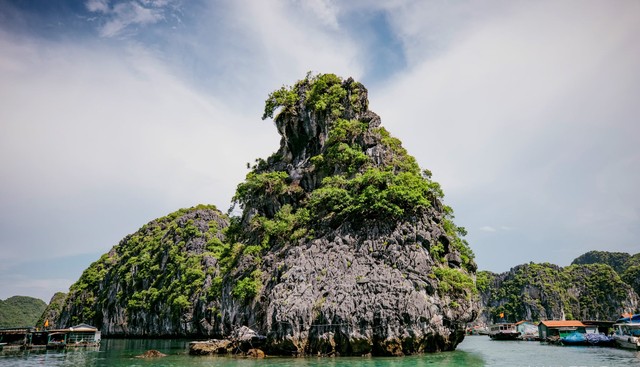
(310, 108)
(331, 146)
(356, 253)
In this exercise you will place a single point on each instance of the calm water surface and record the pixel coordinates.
(475, 351)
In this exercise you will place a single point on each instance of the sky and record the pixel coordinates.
(116, 112)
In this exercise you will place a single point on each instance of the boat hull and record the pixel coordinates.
(504, 336)
(628, 342)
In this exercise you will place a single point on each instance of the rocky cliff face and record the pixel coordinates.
(343, 247)
(358, 253)
(163, 280)
(626, 265)
(53, 310)
(549, 292)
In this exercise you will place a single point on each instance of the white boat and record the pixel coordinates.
(503, 331)
(627, 332)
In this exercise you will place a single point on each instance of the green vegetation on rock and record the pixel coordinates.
(355, 188)
(617, 260)
(20, 311)
(545, 291)
(162, 268)
(53, 310)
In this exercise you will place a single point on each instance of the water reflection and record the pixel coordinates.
(473, 352)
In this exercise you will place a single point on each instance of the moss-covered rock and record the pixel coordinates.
(53, 310)
(356, 251)
(159, 281)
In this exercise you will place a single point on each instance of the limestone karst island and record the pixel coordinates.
(343, 246)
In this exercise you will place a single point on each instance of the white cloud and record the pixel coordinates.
(94, 137)
(325, 10)
(124, 14)
(100, 6)
(290, 42)
(525, 120)
(487, 229)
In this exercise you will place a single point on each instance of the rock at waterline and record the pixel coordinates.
(151, 354)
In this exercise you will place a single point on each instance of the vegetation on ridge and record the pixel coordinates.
(546, 291)
(20, 311)
(53, 310)
(355, 189)
(162, 267)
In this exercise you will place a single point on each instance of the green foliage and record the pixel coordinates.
(20, 311)
(53, 310)
(322, 93)
(456, 233)
(455, 281)
(284, 97)
(598, 284)
(247, 288)
(326, 94)
(626, 265)
(159, 268)
(617, 260)
(375, 194)
(484, 280)
(437, 251)
(287, 225)
(631, 276)
(258, 185)
(400, 160)
(580, 291)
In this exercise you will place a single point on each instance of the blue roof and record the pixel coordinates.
(634, 318)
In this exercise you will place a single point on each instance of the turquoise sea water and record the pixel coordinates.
(474, 351)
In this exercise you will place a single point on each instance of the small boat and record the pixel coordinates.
(627, 332)
(503, 331)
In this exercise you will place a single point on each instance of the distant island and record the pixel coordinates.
(18, 311)
(598, 285)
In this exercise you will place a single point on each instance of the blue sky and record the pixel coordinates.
(113, 113)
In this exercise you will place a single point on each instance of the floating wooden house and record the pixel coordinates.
(551, 328)
(82, 335)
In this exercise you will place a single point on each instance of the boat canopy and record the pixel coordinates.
(634, 318)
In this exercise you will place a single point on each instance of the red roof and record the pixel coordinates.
(570, 323)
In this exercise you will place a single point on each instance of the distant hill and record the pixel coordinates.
(20, 311)
(626, 265)
(619, 261)
(597, 285)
